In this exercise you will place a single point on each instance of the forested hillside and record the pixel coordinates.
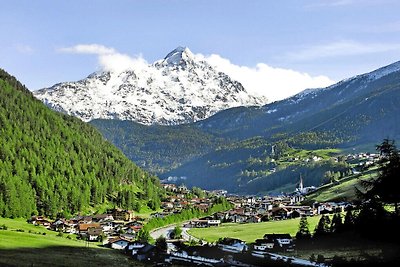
(233, 148)
(52, 163)
(158, 148)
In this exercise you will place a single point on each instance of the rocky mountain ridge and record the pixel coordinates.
(178, 89)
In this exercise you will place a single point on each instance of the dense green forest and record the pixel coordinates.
(52, 164)
(158, 148)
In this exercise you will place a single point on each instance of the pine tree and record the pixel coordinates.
(177, 232)
(304, 231)
(337, 223)
(323, 226)
(349, 221)
(161, 243)
(384, 189)
(143, 235)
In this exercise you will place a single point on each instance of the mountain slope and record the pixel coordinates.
(178, 89)
(157, 148)
(52, 163)
(315, 109)
(357, 112)
(360, 111)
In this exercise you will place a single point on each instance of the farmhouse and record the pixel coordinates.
(232, 245)
(281, 241)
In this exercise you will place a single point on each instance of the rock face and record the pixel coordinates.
(175, 90)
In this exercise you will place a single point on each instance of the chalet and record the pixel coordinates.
(261, 247)
(118, 243)
(108, 227)
(94, 234)
(133, 229)
(281, 241)
(62, 225)
(183, 189)
(253, 219)
(232, 245)
(222, 216)
(133, 247)
(146, 253)
(83, 228)
(330, 207)
(170, 187)
(159, 214)
(128, 237)
(202, 223)
(122, 215)
(85, 219)
(280, 213)
(237, 218)
(40, 220)
(103, 218)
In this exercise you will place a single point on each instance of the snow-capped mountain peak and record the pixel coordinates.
(178, 56)
(177, 89)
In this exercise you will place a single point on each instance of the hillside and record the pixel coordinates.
(157, 148)
(343, 189)
(233, 148)
(52, 163)
(23, 244)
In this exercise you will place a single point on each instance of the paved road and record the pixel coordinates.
(164, 231)
(187, 236)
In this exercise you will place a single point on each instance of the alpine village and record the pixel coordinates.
(177, 163)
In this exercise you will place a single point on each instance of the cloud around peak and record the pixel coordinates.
(260, 80)
(109, 59)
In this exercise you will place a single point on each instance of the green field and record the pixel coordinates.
(251, 231)
(30, 247)
(31, 236)
(344, 191)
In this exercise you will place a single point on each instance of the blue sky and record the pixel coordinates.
(329, 39)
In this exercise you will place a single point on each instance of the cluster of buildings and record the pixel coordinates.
(260, 209)
(180, 198)
(109, 227)
(227, 252)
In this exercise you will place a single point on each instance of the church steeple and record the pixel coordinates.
(301, 186)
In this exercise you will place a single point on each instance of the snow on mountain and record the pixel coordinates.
(342, 86)
(177, 89)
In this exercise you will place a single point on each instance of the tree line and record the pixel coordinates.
(53, 164)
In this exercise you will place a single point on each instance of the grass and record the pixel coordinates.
(252, 231)
(20, 234)
(24, 244)
(64, 256)
(344, 191)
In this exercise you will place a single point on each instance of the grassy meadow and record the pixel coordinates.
(252, 231)
(343, 191)
(24, 244)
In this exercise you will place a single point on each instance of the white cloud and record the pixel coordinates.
(88, 49)
(109, 58)
(261, 80)
(264, 80)
(342, 48)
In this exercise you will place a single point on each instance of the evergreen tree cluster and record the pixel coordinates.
(52, 163)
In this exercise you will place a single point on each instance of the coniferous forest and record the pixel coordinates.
(52, 164)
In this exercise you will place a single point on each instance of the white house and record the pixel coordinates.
(118, 243)
(232, 245)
